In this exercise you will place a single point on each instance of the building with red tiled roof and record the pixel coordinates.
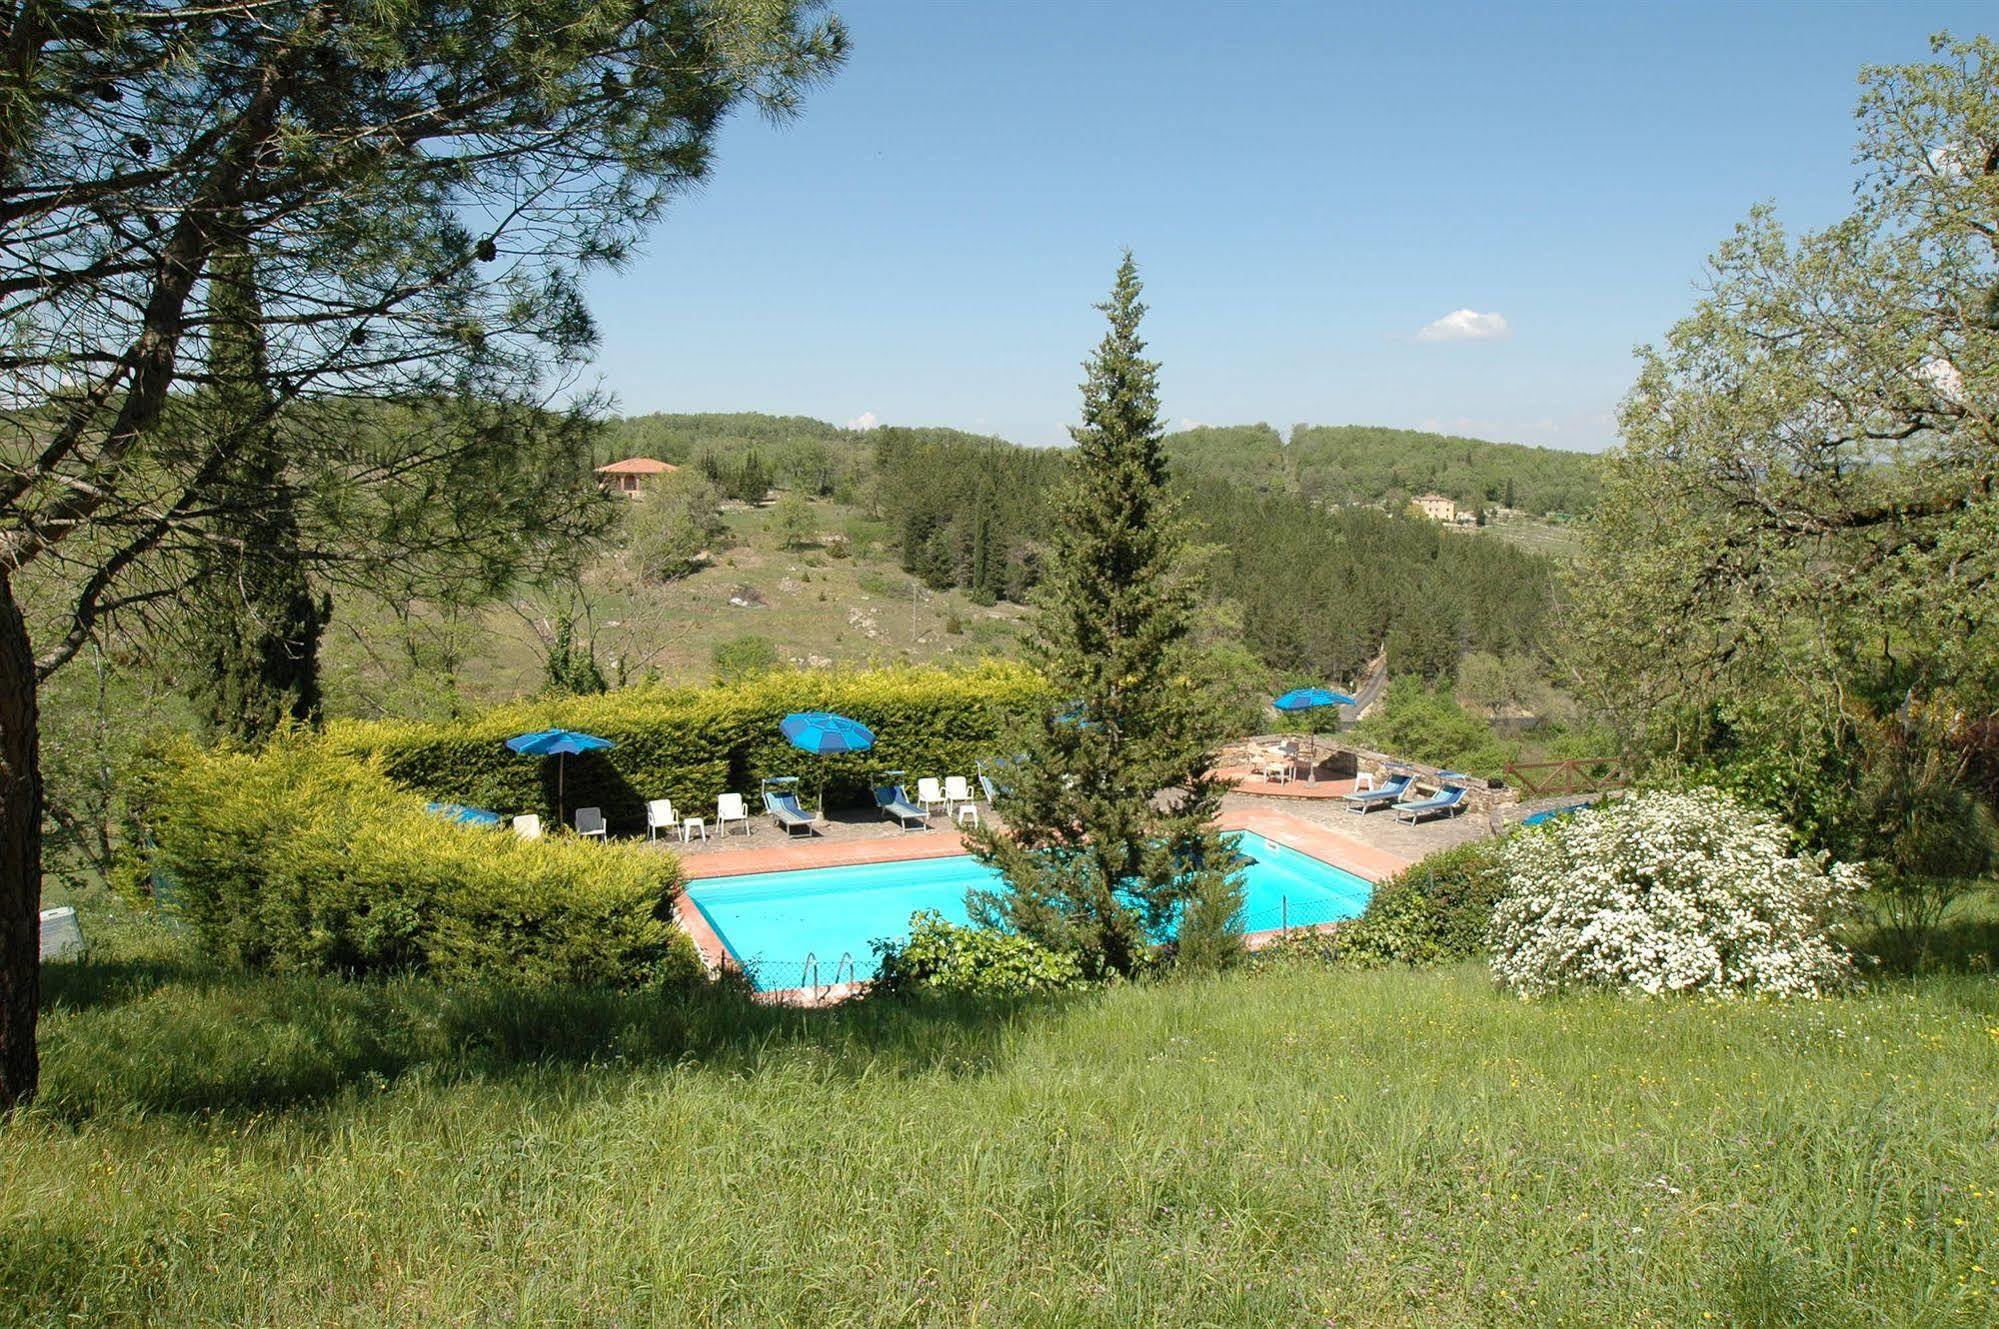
(631, 476)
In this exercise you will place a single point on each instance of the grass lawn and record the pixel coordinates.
(1297, 1147)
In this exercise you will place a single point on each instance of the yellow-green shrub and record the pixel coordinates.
(307, 858)
(690, 744)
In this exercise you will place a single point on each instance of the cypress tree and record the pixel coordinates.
(1108, 838)
(256, 623)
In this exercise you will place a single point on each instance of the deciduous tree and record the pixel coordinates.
(1798, 541)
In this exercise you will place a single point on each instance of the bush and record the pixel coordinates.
(1433, 912)
(673, 526)
(1429, 726)
(960, 960)
(691, 744)
(305, 859)
(1669, 892)
(744, 658)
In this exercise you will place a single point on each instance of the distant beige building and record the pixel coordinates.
(632, 476)
(1437, 508)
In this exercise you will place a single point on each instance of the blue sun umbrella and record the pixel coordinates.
(557, 743)
(1306, 699)
(823, 733)
(1310, 699)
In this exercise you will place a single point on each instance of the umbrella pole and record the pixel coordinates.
(561, 769)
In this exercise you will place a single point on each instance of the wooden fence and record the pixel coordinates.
(1575, 775)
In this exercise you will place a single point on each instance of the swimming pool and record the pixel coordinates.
(771, 921)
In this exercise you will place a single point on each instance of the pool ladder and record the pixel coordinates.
(808, 976)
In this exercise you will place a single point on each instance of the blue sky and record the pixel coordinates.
(1306, 186)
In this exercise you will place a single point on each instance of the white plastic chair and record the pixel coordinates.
(659, 816)
(958, 790)
(528, 826)
(928, 793)
(590, 821)
(728, 808)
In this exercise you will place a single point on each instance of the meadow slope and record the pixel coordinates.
(1296, 1148)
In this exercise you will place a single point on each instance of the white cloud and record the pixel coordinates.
(865, 420)
(1467, 325)
(1185, 423)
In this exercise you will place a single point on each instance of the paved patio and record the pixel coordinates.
(1374, 846)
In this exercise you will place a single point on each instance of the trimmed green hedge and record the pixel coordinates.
(691, 744)
(303, 858)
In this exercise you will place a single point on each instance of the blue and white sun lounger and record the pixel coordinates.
(894, 802)
(1447, 803)
(1391, 791)
(782, 804)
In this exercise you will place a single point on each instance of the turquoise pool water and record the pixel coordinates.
(771, 921)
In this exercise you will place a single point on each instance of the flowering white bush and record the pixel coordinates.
(1669, 892)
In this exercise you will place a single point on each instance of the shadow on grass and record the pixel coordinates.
(1966, 942)
(166, 1034)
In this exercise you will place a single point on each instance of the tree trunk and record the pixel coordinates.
(20, 856)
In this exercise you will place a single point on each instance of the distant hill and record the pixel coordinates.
(1340, 464)
(1367, 464)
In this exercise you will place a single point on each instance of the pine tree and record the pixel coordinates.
(257, 623)
(1108, 837)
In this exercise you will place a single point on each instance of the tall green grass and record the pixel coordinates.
(1290, 1147)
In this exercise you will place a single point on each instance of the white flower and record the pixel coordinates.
(1669, 892)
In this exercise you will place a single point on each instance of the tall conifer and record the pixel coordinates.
(1108, 839)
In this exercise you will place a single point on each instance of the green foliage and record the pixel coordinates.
(801, 453)
(1421, 724)
(741, 659)
(749, 482)
(1251, 456)
(1928, 839)
(791, 518)
(1434, 912)
(1109, 818)
(572, 668)
(1495, 683)
(1317, 590)
(1802, 512)
(304, 859)
(1320, 592)
(966, 511)
(1892, 793)
(673, 525)
(945, 957)
(691, 744)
